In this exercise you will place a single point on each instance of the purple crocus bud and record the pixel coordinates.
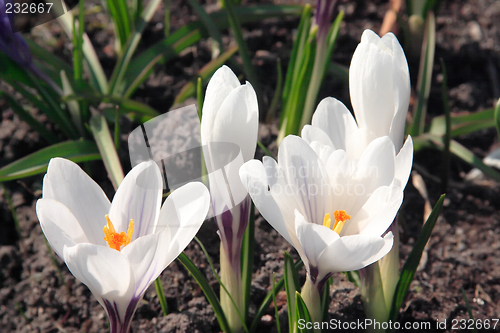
(324, 13)
(11, 43)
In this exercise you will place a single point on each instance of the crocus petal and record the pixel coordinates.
(141, 256)
(404, 162)
(183, 213)
(220, 86)
(59, 225)
(314, 134)
(305, 175)
(313, 238)
(105, 271)
(138, 198)
(67, 183)
(253, 177)
(335, 120)
(379, 83)
(377, 214)
(237, 120)
(351, 253)
(377, 164)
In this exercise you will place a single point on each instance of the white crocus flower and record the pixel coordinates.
(336, 198)
(379, 84)
(334, 211)
(118, 249)
(230, 116)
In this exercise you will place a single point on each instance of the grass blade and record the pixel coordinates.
(76, 151)
(424, 76)
(140, 66)
(497, 117)
(243, 50)
(413, 260)
(301, 313)
(292, 287)
(106, 146)
(247, 254)
(207, 290)
(269, 298)
(205, 73)
(115, 83)
(276, 313)
(96, 71)
(161, 296)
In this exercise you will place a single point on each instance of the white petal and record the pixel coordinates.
(141, 257)
(220, 86)
(254, 178)
(376, 166)
(59, 225)
(311, 134)
(404, 162)
(138, 198)
(105, 271)
(237, 120)
(184, 210)
(335, 120)
(306, 176)
(379, 84)
(66, 182)
(351, 253)
(314, 239)
(377, 214)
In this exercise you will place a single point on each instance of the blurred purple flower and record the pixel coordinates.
(323, 16)
(11, 43)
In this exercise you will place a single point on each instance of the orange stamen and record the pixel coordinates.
(114, 239)
(340, 217)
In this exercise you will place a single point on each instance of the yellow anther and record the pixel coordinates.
(327, 221)
(340, 217)
(114, 239)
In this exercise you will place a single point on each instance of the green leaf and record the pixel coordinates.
(247, 254)
(161, 296)
(292, 286)
(243, 50)
(463, 124)
(301, 313)
(116, 86)
(276, 313)
(122, 20)
(325, 299)
(435, 142)
(33, 164)
(413, 260)
(205, 73)
(424, 76)
(269, 297)
(497, 117)
(140, 66)
(102, 137)
(296, 54)
(207, 22)
(96, 71)
(207, 290)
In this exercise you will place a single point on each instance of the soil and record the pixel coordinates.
(38, 294)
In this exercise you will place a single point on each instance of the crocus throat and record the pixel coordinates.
(116, 240)
(340, 218)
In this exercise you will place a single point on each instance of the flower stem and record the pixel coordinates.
(310, 295)
(232, 281)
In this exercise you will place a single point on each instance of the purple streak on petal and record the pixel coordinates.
(116, 324)
(226, 222)
(12, 43)
(313, 273)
